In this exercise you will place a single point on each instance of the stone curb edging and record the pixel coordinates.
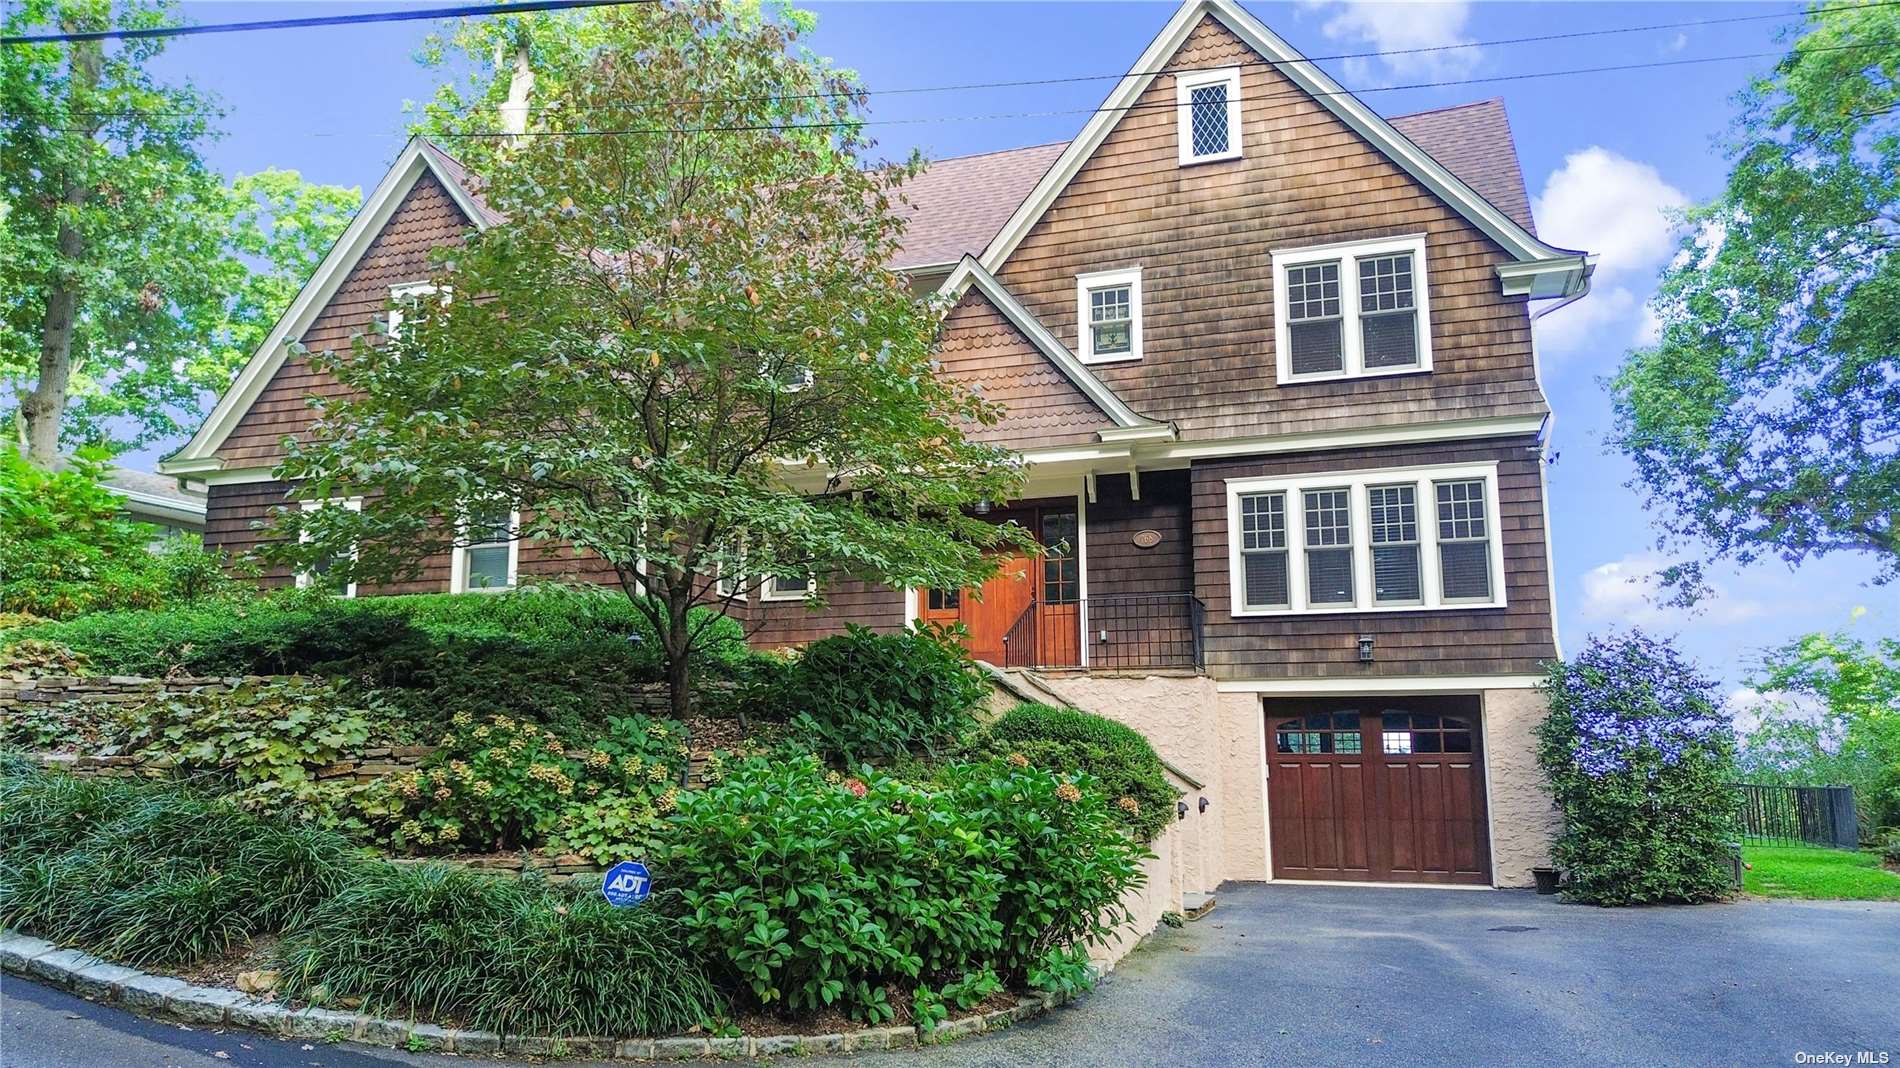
(160, 995)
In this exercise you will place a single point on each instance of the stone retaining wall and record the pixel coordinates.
(17, 693)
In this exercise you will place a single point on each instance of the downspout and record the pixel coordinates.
(1543, 448)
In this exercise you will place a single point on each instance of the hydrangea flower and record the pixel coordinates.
(1630, 694)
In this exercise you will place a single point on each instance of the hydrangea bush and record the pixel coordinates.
(1641, 763)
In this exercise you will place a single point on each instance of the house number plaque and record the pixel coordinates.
(1147, 539)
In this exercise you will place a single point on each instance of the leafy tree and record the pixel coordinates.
(1846, 731)
(687, 354)
(125, 262)
(1766, 418)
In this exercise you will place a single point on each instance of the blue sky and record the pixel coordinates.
(1603, 155)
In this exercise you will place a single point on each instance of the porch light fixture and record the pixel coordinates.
(1180, 810)
(1365, 648)
(982, 506)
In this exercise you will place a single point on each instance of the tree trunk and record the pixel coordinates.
(678, 640)
(42, 409)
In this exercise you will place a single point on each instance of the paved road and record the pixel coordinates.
(1281, 975)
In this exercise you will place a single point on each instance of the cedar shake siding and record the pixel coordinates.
(984, 351)
(1516, 639)
(787, 623)
(427, 219)
(1203, 236)
(1138, 608)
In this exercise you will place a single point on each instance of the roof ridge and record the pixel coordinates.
(996, 151)
(1498, 100)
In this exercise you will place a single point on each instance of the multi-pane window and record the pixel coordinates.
(1313, 318)
(1108, 315)
(324, 573)
(787, 587)
(1111, 321)
(1464, 543)
(1409, 733)
(1263, 550)
(1319, 732)
(1207, 103)
(1061, 567)
(1354, 309)
(1328, 546)
(944, 600)
(1380, 539)
(487, 557)
(1388, 315)
(1393, 518)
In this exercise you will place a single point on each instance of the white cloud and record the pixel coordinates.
(1397, 28)
(1749, 707)
(1618, 209)
(1626, 591)
(1677, 43)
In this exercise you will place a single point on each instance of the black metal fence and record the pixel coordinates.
(1799, 815)
(1123, 632)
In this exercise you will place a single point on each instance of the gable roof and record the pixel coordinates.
(1540, 269)
(1474, 142)
(969, 272)
(418, 157)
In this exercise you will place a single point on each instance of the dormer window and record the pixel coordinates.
(1207, 106)
(1108, 315)
(1351, 310)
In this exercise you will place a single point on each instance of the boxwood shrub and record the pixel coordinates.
(1066, 740)
(808, 890)
(1641, 762)
(866, 696)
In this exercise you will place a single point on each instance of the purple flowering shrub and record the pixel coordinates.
(1640, 759)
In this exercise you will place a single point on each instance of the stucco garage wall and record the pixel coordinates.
(1523, 820)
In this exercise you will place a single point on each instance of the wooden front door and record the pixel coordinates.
(988, 613)
(1377, 790)
(1051, 582)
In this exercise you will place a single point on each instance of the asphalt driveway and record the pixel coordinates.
(1335, 976)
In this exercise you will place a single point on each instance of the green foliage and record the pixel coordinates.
(1640, 761)
(268, 737)
(36, 657)
(152, 875)
(1832, 718)
(64, 548)
(641, 404)
(1067, 741)
(117, 231)
(549, 655)
(854, 884)
(511, 955)
(1762, 422)
(866, 696)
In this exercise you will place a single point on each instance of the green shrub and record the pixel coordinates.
(811, 890)
(35, 657)
(267, 736)
(149, 874)
(1641, 762)
(1066, 741)
(865, 696)
(511, 955)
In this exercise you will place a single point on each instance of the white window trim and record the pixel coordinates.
(401, 291)
(1356, 482)
(1085, 337)
(1352, 343)
(354, 504)
(1184, 85)
(767, 593)
(458, 559)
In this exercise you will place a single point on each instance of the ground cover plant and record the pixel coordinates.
(1066, 740)
(1640, 760)
(1808, 872)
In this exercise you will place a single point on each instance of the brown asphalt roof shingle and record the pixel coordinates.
(958, 204)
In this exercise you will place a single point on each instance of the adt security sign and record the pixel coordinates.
(627, 883)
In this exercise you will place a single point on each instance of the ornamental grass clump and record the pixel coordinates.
(1640, 760)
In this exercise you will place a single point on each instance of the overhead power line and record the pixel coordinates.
(417, 14)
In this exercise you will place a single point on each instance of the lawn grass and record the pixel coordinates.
(1808, 872)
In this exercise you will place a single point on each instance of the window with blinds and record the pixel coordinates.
(1108, 315)
(1393, 520)
(1464, 544)
(1263, 550)
(1328, 546)
(486, 558)
(1352, 309)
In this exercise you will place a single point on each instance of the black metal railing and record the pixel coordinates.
(1121, 632)
(1799, 815)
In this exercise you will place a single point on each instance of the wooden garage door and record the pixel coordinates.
(1377, 790)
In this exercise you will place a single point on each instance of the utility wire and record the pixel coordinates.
(460, 11)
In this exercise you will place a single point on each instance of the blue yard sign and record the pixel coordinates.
(626, 883)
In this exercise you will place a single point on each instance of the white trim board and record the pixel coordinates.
(1540, 267)
(1378, 684)
(200, 453)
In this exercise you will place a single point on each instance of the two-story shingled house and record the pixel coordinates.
(1267, 355)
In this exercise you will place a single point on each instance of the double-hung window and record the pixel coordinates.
(1108, 315)
(1351, 310)
(1377, 540)
(787, 587)
(1207, 109)
(487, 553)
(323, 574)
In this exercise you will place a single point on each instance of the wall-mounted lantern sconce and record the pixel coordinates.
(1204, 803)
(1180, 810)
(1365, 648)
(982, 506)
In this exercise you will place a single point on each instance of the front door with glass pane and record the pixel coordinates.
(1377, 790)
(1034, 603)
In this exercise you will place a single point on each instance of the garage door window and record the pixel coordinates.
(1406, 733)
(1319, 732)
